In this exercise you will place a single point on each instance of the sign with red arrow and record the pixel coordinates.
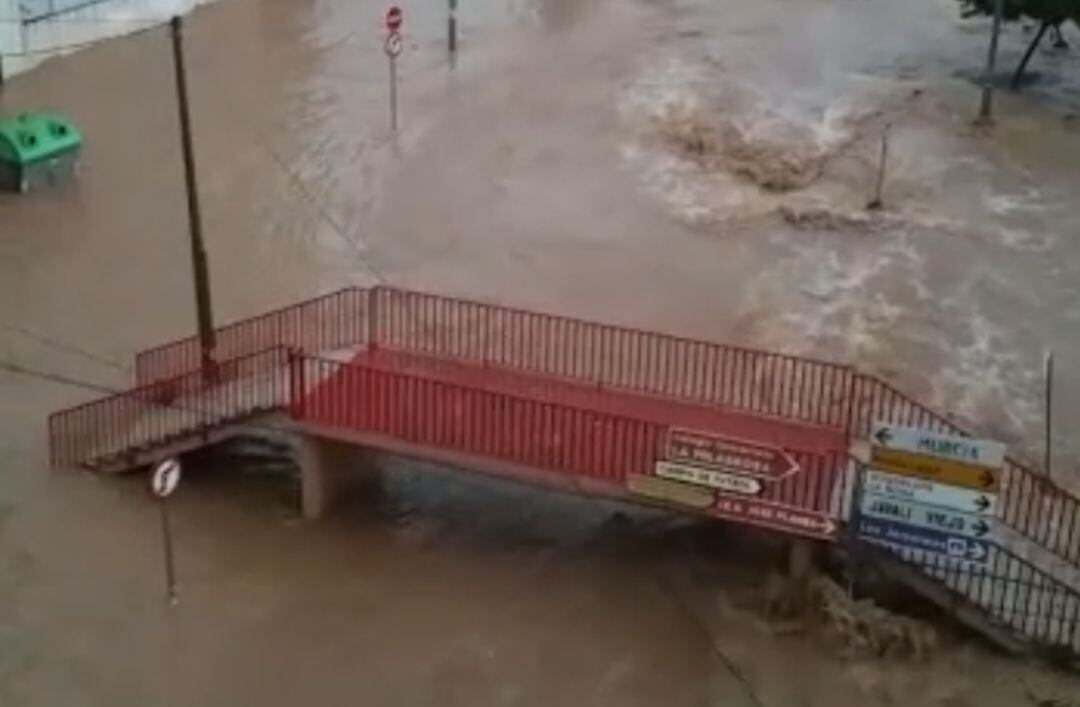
(730, 455)
(786, 519)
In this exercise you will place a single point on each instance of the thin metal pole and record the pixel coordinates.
(987, 107)
(876, 202)
(1049, 375)
(199, 268)
(451, 32)
(170, 569)
(393, 94)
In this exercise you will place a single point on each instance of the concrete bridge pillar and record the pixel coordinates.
(330, 471)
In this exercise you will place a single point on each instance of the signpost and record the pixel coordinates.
(790, 520)
(671, 491)
(929, 517)
(392, 47)
(934, 541)
(163, 481)
(929, 491)
(733, 456)
(451, 32)
(977, 452)
(720, 480)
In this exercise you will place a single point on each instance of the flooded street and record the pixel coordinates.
(698, 168)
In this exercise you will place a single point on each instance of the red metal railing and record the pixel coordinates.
(623, 358)
(108, 429)
(333, 321)
(612, 356)
(539, 434)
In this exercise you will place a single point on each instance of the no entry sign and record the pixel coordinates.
(394, 18)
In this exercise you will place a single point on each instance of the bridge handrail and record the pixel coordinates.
(784, 385)
(1013, 591)
(795, 387)
(334, 320)
(154, 413)
(546, 434)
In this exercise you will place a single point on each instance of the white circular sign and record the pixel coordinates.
(393, 44)
(166, 478)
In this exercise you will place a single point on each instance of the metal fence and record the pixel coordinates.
(550, 435)
(619, 357)
(615, 357)
(1011, 591)
(319, 325)
(106, 430)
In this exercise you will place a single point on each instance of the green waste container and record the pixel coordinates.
(37, 148)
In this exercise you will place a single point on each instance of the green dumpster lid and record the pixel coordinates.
(30, 137)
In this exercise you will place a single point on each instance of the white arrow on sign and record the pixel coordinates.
(979, 452)
(944, 520)
(930, 493)
(166, 478)
(699, 476)
(393, 44)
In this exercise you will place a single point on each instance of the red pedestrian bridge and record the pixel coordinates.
(594, 408)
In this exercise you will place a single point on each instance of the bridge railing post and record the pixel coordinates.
(373, 318)
(297, 388)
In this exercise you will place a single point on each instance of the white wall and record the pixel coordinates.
(39, 40)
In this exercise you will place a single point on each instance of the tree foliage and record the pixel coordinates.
(1052, 11)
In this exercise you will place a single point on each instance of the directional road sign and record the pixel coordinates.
(671, 491)
(910, 513)
(941, 470)
(165, 478)
(930, 493)
(701, 476)
(730, 455)
(790, 520)
(934, 541)
(976, 452)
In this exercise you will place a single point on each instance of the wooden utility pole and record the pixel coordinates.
(199, 268)
(986, 110)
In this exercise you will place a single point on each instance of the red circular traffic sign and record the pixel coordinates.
(394, 18)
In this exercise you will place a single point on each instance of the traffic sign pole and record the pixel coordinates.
(392, 47)
(451, 32)
(170, 566)
(163, 481)
(393, 93)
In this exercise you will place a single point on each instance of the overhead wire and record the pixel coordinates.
(63, 346)
(83, 384)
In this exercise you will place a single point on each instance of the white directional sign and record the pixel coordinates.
(700, 476)
(978, 452)
(393, 45)
(930, 493)
(957, 523)
(166, 477)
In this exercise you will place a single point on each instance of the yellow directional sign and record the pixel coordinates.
(943, 471)
(672, 491)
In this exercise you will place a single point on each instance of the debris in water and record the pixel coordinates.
(768, 163)
(866, 629)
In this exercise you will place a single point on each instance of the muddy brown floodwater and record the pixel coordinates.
(695, 167)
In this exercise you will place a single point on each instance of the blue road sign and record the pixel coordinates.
(927, 539)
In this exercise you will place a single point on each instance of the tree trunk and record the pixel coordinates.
(1027, 55)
